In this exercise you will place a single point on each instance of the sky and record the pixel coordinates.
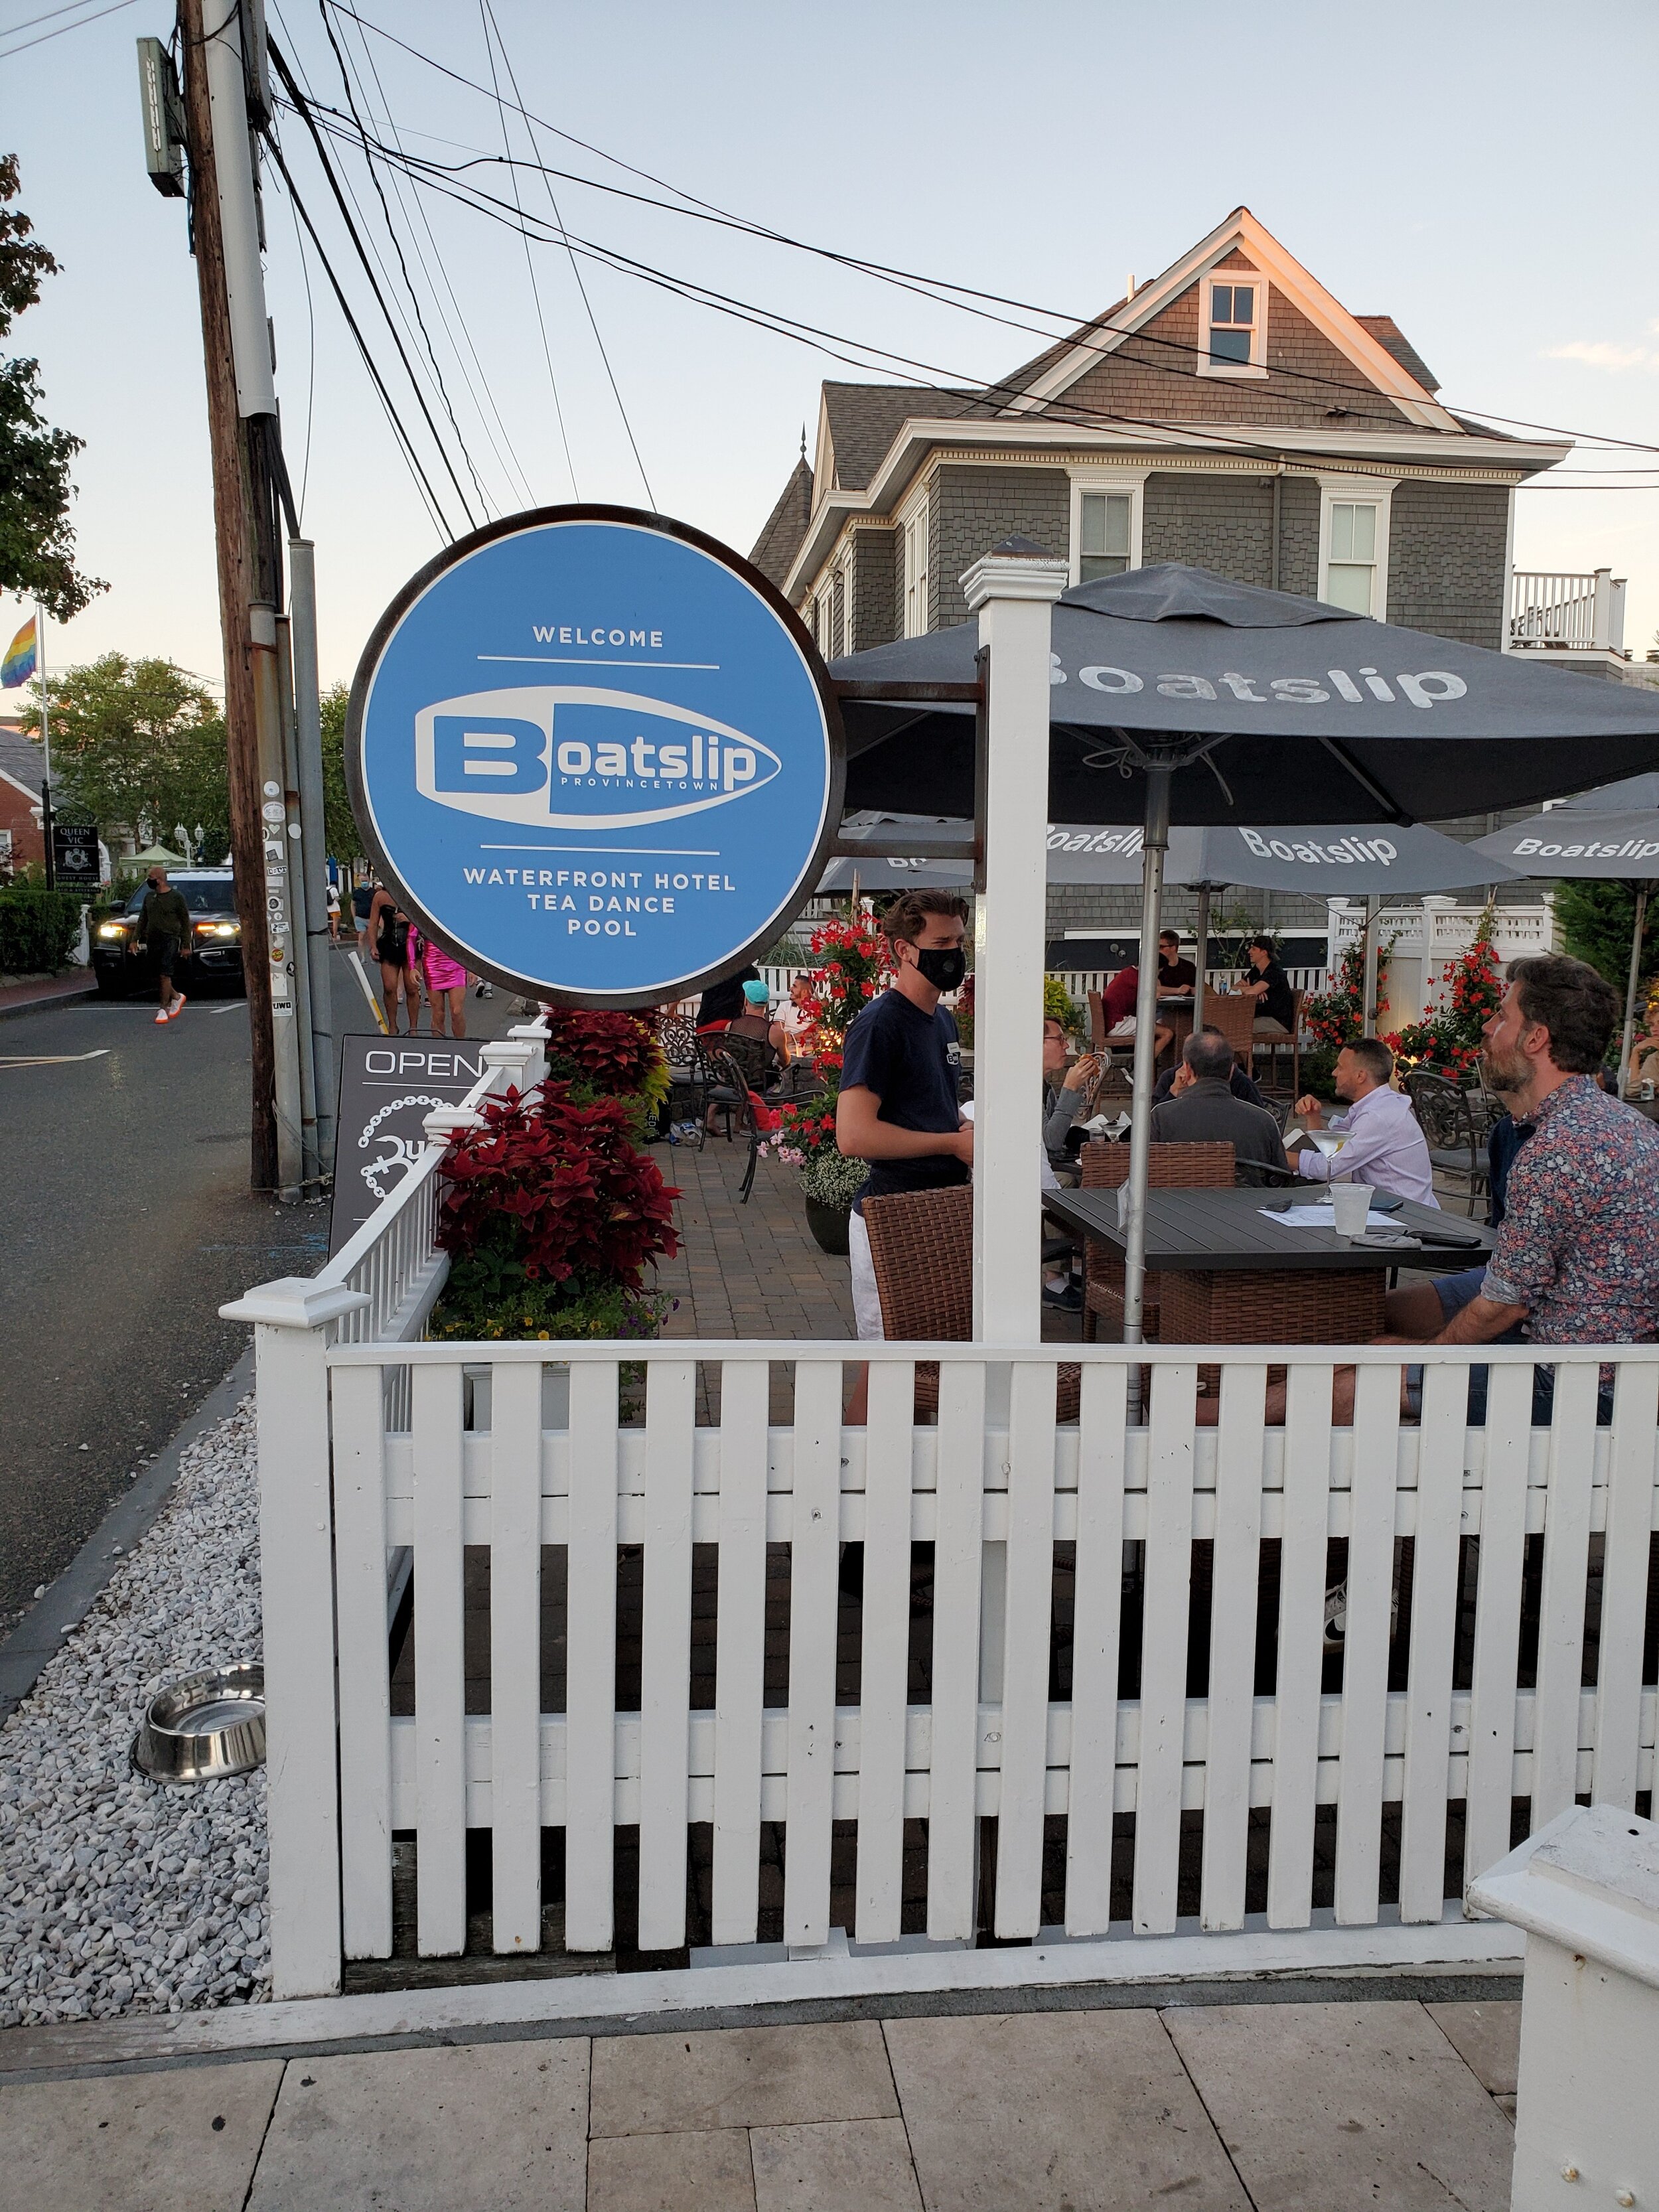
(1481, 171)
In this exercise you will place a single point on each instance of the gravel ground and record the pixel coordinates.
(118, 1894)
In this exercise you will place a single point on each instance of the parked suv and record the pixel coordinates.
(121, 964)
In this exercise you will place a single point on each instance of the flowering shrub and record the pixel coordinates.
(853, 963)
(832, 1180)
(1337, 1016)
(1448, 1040)
(1059, 1006)
(547, 1206)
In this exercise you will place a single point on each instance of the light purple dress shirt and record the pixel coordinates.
(1385, 1148)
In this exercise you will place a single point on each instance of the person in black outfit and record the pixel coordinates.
(1177, 978)
(897, 1106)
(1266, 982)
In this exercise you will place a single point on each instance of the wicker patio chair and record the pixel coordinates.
(1457, 1153)
(921, 1249)
(1168, 1167)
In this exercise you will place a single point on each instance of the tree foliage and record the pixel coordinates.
(37, 543)
(340, 832)
(1597, 920)
(141, 745)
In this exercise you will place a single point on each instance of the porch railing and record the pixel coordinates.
(1560, 612)
(1098, 1701)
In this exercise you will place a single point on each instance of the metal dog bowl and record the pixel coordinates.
(204, 1726)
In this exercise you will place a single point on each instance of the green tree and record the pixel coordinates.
(1597, 920)
(340, 831)
(37, 543)
(140, 746)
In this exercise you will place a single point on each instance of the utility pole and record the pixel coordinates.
(247, 464)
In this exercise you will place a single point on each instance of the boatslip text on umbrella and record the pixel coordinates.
(1181, 696)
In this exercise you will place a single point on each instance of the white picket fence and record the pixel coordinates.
(548, 1469)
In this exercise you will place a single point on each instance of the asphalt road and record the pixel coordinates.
(125, 1222)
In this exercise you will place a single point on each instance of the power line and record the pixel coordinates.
(62, 31)
(295, 94)
(651, 497)
(397, 247)
(509, 463)
(529, 265)
(406, 444)
(930, 287)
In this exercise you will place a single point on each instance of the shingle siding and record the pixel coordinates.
(969, 509)
(874, 606)
(1448, 545)
(1222, 523)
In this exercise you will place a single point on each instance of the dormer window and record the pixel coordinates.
(1234, 317)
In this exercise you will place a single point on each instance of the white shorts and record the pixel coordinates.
(867, 1306)
(1126, 1027)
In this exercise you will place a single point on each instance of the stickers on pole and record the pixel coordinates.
(595, 756)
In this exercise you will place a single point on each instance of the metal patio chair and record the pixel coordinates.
(1457, 1153)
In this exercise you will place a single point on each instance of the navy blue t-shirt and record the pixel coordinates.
(909, 1060)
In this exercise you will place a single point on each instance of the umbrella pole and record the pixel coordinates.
(1634, 984)
(1367, 990)
(1156, 839)
(1203, 955)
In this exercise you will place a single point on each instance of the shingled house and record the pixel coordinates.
(1230, 413)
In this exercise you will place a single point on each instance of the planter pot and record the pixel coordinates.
(828, 1226)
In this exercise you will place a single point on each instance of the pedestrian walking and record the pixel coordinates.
(332, 895)
(392, 935)
(164, 929)
(446, 988)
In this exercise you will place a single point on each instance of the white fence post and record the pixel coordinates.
(293, 1322)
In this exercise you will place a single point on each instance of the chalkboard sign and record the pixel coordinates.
(388, 1085)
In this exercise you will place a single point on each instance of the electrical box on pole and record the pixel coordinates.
(164, 118)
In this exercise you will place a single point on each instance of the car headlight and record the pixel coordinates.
(110, 931)
(227, 928)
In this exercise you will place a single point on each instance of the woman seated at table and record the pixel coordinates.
(1266, 982)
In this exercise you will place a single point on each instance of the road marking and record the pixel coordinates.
(235, 1006)
(50, 1059)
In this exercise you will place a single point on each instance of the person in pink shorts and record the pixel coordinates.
(446, 988)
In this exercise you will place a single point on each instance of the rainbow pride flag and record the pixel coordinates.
(21, 654)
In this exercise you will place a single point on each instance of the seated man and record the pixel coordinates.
(1384, 1146)
(1205, 1112)
(1577, 1260)
(1117, 1009)
(1180, 1078)
(1177, 978)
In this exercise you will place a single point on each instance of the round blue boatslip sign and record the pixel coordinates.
(595, 756)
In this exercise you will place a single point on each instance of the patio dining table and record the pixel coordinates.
(1230, 1270)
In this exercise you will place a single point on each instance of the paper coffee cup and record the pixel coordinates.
(1351, 1205)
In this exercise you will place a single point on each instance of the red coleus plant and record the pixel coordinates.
(556, 1189)
(614, 1052)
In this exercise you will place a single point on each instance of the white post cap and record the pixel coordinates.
(1015, 569)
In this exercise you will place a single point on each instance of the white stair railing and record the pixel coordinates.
(1551, 610)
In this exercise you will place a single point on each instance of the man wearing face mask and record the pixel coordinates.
(897, 1108)
(164, 928)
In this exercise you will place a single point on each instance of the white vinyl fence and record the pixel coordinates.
(1120, 1702)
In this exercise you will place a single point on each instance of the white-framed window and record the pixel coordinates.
(1106, 513)
(1232, 337)
(915, 573)
(1354, 544)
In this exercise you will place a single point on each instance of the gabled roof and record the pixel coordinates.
(1389, 336)
(775, 549)
(1382, 366)
(22, 762)
(864, 419)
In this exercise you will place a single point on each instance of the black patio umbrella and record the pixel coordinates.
(1177, 696)
(1609, 835)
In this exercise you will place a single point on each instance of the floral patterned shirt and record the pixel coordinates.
(1579, 1245)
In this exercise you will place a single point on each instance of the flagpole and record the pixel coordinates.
(48, 857)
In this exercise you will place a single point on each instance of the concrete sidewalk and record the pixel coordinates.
(22, 994)
(1281, 2107)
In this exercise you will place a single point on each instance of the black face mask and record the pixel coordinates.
(943, 966)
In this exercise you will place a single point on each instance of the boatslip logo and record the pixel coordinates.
(572, 757)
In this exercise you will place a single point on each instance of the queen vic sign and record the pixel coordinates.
(595, 756)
